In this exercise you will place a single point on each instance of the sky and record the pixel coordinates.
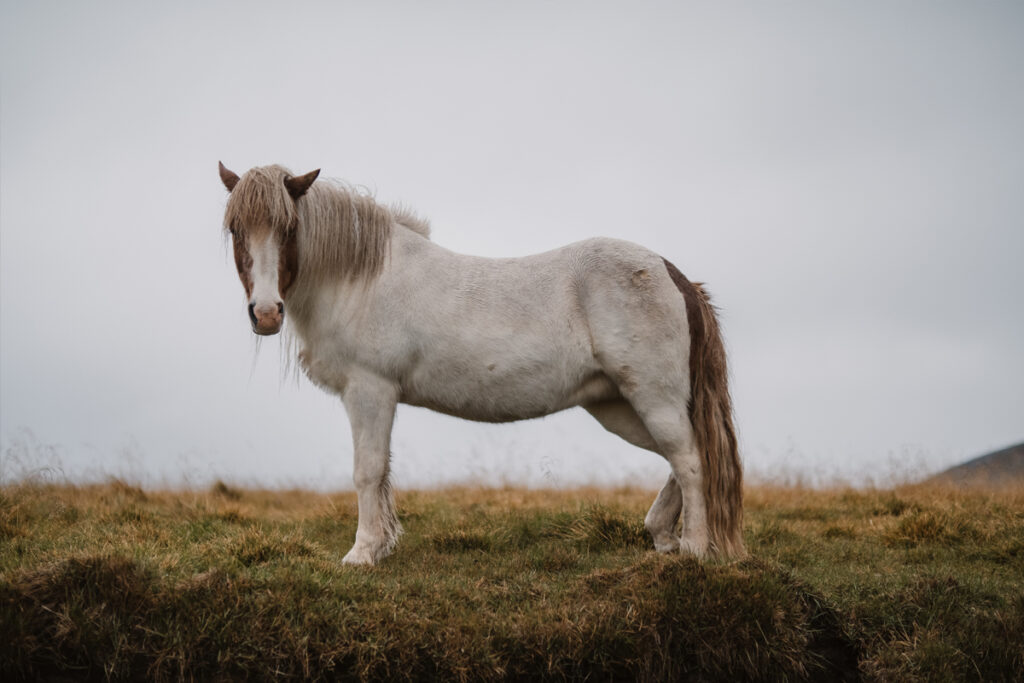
(847, 178)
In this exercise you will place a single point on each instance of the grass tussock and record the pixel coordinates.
(115, 583)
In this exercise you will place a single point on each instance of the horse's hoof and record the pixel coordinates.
(693, 549)
(358, 556)
(667, 546)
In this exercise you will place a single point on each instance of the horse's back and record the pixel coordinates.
(529, 336)
(506, 339)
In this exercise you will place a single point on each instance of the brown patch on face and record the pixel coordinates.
(641, 278)
(288, 266)
(288, 263)
(243, 261)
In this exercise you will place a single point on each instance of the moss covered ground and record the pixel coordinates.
(111, 582)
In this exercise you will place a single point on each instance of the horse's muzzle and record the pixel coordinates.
(266, 318)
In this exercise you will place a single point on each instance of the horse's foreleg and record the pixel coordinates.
(371, 413)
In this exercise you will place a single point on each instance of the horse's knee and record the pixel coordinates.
(369, 473)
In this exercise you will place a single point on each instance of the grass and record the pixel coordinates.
(115, 583)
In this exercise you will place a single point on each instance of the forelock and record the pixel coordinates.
(260, 200)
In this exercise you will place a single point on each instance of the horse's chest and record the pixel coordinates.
(325, 372)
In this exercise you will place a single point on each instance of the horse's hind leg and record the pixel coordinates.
(670, 427)
(618, 417)
(661, 415)
(663, 516)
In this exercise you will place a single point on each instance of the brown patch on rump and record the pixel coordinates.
(710, 409)
(641, 278)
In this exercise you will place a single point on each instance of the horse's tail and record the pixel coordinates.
(710, 412)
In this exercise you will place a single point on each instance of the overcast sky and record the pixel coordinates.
(848, 178)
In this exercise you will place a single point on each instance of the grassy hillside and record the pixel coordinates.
(1002, 468)
(111, 582)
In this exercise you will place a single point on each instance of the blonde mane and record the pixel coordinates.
(340, 228)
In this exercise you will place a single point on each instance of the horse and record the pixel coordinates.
(383, 315)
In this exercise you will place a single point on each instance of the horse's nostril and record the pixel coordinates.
(252, 313)
(280, 307)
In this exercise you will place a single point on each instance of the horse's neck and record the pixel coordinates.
(309, 298)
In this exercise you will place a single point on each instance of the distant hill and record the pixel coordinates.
(1000, 468)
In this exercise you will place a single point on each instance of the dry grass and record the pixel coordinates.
(113, 582)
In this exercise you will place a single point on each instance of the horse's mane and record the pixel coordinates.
(341, 228)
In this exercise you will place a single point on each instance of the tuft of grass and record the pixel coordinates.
(894, 506)
(461, 541)
(598, 528)
(111, 582)
(221, 489)
(256, 547)
(928, 527)
(834, 531)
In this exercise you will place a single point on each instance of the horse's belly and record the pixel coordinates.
(495, 392)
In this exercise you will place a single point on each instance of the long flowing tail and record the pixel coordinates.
(710, 411)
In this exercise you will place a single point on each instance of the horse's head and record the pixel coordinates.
(262, 219)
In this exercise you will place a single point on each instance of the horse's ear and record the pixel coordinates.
(227, 177)
(298, 185)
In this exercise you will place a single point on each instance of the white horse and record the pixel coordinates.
(385, 316)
